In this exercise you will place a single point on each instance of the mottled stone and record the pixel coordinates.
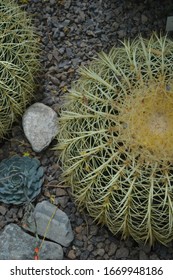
(16, 244)
(40, 125)
(51, 222)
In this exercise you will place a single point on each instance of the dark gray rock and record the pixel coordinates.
(121, 33)
(3, 210)
(16, 244)
(146, 248)
(143, 255)
(122, 253)
(78, 243)
(84, 255)
(2, 222)
(154, 257)
(67, 4)
(51, 222)
(144, 19)
(90, 247)
(112, 249)
(93, 229)
(52, 2)
(100, 252)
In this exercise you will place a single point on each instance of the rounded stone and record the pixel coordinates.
(113, 248)
(71, 255)
(40, 125)
(100, 252)
(122, 253)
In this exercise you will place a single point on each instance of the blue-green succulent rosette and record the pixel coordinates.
(21, 179)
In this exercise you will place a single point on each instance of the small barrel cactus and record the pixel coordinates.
(18, 63)
(116, 139)
(21, 179)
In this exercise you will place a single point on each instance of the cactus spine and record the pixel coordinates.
(116, 139)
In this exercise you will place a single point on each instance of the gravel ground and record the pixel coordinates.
(71, 33)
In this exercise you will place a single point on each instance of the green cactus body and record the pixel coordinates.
(116, 139)
(18, 63)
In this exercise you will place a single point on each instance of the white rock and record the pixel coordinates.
(40, 125)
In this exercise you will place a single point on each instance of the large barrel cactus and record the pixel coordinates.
(18, 63)
(116, 139)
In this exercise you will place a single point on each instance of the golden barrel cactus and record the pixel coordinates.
(116, 139)
(19, 63)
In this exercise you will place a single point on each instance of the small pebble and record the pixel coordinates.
(100, 252)
(90, 247)
(154, 257)
(122, 253)
(78, 229)
(112, 249)
(3, 210)
(142, 255)
(71, 255)
(60, 192)
(93, 229)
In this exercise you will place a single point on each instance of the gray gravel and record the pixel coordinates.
(71, 33)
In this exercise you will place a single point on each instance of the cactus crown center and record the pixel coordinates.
(148, 122)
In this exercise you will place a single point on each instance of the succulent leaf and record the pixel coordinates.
(19, 183)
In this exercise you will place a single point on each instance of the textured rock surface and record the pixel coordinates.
(53, 222)
(16, 244)
(40, 125)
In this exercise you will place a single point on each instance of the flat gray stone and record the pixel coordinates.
(16, 244)
(40, 125)
(53, 222)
